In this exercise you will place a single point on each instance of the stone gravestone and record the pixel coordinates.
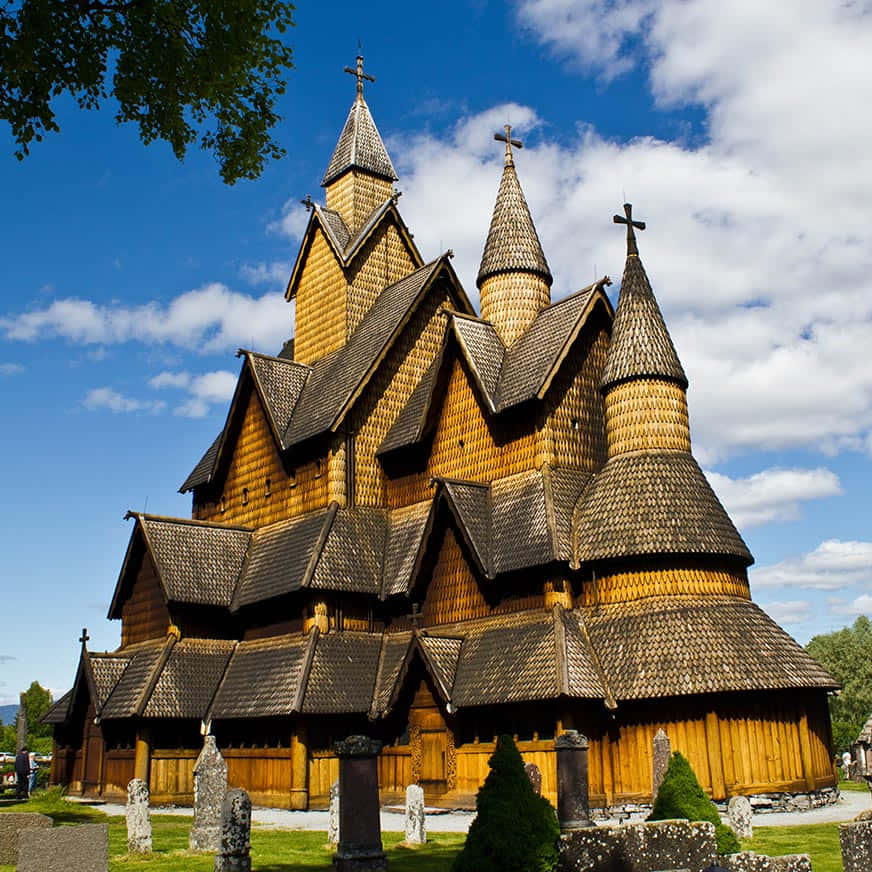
(535, 776)
(21, 725)
(740, 813)
(210, 785)
(138, 819)
(10, 826)
(660, 761)
(360, 844)
(573, 804)
(856, 842)
(84, 848)
(416, 827)
(235, 853)
(333, 815)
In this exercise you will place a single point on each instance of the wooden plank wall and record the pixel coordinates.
(144, 615)
(265, 773)
(118, 769)
(172, 775)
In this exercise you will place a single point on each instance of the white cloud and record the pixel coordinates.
(861, 605)
(292, 222)
(834, 564)
(211, 318)
(108, 398)
(772, 494)
(275, 273)
(756, 244)
(11, 368)
(167, 379)
(788, 611)
(204, 390)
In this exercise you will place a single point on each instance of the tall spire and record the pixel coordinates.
(514, 278)
(641, 346)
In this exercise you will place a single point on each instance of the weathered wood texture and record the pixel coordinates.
(172, 775)
(511, 300)
(647, 415)
(355, 194)
(144, 615)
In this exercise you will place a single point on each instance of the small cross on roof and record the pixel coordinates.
(507, 139)
(416, 615)
(361, 75)
(631, 236)
(84, 637)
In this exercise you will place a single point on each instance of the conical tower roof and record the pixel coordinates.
(360, 145)
(512, 242)
(641, 346)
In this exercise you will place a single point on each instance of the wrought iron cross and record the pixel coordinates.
(507, 139)
(361, 75)
(84, 637)
(416, 615)
(308, 202)
(631, 236)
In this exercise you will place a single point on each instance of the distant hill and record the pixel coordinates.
(8, 714)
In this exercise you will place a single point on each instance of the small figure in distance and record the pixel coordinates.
(22, 773)
(34, 771)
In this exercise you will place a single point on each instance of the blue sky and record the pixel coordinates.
(129, 280)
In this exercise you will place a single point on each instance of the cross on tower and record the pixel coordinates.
(361, 75)
(631, 236)
(84, 637)
(507, 139)
(416, 615)
(308, 202)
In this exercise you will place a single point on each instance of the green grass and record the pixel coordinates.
(853, 785)
(271, 850)
(819, 841)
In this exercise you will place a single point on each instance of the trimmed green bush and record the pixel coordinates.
(515, 830)
(682, 796)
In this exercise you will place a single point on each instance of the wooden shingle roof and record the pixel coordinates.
(360, 147)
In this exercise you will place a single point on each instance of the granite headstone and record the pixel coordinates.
(11, 825)
(856, 842)
(84, 848)
(740, 813)
(416, 827)
(210, 785)
(534, 773)
(662, 752)
(138, 819)
(333, 815)
(235, 852)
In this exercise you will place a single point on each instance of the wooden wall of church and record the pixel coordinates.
(144, 615)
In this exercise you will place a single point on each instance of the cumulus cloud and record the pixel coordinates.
(203, 390)
(772, 494)
(861, 605)
(11, 368)
(208, 319)
(292, 222)
(788, 611)
(109, 398)
(275, 273)
(756, 244)
(833, 565)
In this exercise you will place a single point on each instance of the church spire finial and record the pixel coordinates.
(631, 236)
(507, 139)
(360, 74)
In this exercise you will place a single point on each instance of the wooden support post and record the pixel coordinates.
(715, 755)
(299, 769)
(805, 751)
(142, 760)
(608, 772)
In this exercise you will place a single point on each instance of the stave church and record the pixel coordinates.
(433, 526)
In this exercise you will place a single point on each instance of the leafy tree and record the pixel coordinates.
(7, 738)
(847, 655)
(37, 701)
(179, 69)
(681, 796)
(514, 830)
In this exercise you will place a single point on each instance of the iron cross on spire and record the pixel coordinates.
(631, 236)
(361, 75)
(507, 139)
(84, 637)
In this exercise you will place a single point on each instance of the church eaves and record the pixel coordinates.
(640, 346)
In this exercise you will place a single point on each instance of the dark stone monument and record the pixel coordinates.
(210, 785)
(856, 842)
(360, 845)
(84, 848)
(235, 852)
(573, 806)
(21, 725)
(11, 825)
(535, 776)
(662, 751)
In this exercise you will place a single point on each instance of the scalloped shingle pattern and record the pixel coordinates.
(342, 678)
(124, 698)
(360, 146)
(107, 672)
(282, 383)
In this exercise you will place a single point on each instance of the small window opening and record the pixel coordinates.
(268, 488)
(292, 478)
(222, 503)
(317, 469)
(461, 443)
(575, 424)
(245, 496)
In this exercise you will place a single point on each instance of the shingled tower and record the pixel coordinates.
(514, 280)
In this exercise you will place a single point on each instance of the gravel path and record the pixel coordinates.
(850, 804)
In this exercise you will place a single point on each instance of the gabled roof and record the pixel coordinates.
(359, 147)
(196, 562)
(652, 503)
(512, 242)
(130, 695)
(342, 677)
(641, 346)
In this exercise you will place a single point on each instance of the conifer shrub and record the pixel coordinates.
(682, 796)
(514, 830)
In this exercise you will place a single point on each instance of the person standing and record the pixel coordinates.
(34, 771)
(22, 773)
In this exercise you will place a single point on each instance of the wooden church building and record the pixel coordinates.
(434, 525)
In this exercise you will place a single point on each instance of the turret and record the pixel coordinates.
(514, 280)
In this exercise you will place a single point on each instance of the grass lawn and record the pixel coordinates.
(819, 841)
(271, 850)
(853, 785)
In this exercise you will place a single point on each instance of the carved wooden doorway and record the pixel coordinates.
(432, 741)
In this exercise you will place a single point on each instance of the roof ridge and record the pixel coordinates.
(191, 522)
(274, 357)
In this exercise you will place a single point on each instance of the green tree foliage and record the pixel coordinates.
(682, 796)
(181, 70)
(515, 830)
(847, 656)
(37, 700)
(7, 738)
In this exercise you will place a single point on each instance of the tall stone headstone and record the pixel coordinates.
(416, 827)
(138, 819)
(210, 785)
(360, 845)
(21, 725)
(573, 802)
(83, 848)
(534, 773)
(235, 852)
(11, 825)
(333, 815)
(662, 752)
(740, 813)
(856, 843)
